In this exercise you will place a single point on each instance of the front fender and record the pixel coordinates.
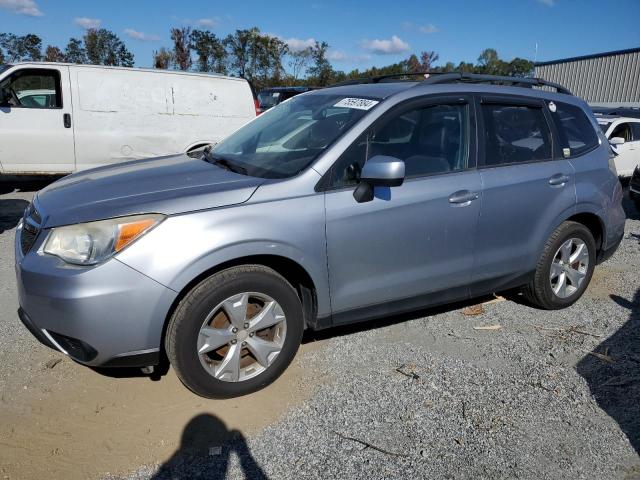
(183, 247)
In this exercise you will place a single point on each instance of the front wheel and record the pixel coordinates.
(235, 332)
(564, 269)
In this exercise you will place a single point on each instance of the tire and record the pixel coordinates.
(541, 291)
(227, 291)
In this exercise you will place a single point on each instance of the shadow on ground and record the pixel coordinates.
(613, 372)
(204, 452)
(11, 211)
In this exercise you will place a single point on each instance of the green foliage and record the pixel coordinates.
(103, 47)
(20, 48)
(321, 71)
(212, 56)
(75, 52)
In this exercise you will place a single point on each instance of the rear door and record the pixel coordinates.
(412, 244)
(526, 187)
(36, 122)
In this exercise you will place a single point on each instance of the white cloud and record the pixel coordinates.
(548, 3)
(298, 44)
(386, 47)
(136, 35)
(22, 7)
(428, 28)
(336, 56)
(207, 22)
(88, 23)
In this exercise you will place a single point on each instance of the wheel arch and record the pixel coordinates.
(291, 270)
(595, 225)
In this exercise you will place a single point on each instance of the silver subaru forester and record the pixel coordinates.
(339, 205)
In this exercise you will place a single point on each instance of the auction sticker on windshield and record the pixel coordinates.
(357, 103)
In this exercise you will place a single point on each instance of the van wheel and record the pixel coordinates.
(564, 269)
(235, 332)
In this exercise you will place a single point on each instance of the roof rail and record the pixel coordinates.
(454, 77)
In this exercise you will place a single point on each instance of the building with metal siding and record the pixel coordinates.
(604, 79)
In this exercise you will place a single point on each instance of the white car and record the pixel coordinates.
(624, 135)
(60, 118)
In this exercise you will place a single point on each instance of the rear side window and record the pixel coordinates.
(575, 130)
(515, 134)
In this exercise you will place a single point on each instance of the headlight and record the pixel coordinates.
(93, 242)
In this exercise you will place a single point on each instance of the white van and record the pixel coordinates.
(61, 118)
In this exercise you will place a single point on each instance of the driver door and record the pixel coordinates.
(412, 245)
(36, 121)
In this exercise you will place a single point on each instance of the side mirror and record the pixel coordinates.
(379, 171)
(616, 141)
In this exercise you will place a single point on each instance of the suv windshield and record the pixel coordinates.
(4, 67)
(289, 137)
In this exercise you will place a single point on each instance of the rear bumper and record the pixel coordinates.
(107, 315)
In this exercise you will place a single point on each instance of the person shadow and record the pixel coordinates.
(612, 372)
(204, 452)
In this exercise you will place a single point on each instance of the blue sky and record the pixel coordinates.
(361, 34)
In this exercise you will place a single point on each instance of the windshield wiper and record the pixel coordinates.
(223, 162)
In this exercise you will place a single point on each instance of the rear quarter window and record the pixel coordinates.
(575, 129)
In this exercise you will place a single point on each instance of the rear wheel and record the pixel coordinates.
(564, 269)
(235, 332)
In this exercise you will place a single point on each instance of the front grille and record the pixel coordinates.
(30, 228)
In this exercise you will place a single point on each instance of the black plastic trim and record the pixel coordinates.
(145, 359)
(35, 331)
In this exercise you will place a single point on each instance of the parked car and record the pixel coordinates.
(341, 205)
(270, 97)
(60, 118)
(634, 188)
(633, 112)
(624, 135)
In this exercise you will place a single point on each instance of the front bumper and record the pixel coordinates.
(105, 315)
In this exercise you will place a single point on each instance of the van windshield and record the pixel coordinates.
(289, 137)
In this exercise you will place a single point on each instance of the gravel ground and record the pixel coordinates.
(548, 395)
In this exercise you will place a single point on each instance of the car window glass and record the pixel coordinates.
(430, 140)
(515, 134)
(635, 131)
(33, 89)
(575, 129)
(622, 130)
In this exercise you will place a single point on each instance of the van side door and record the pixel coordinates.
(412, 245)
(526, 187)
(36, 120)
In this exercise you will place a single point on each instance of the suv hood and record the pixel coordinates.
(168, 185)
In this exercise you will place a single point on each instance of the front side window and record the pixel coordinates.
(430, 140)
(32, 88)
(515, 134)
(635, 131)
(576, 131)
(623, 130)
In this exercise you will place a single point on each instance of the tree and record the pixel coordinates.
(53, 54)
(299, 62)
(413, 64)
(75, 51)
(21, 48)
(212, 56)
(520, 67)
(103, 47)
(239, 45)
(181, 47)
(162, 58)
(321, 70)
(427, 59)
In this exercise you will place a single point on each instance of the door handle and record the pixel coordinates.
(559, 180)
(462, 198)
(66, 119)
